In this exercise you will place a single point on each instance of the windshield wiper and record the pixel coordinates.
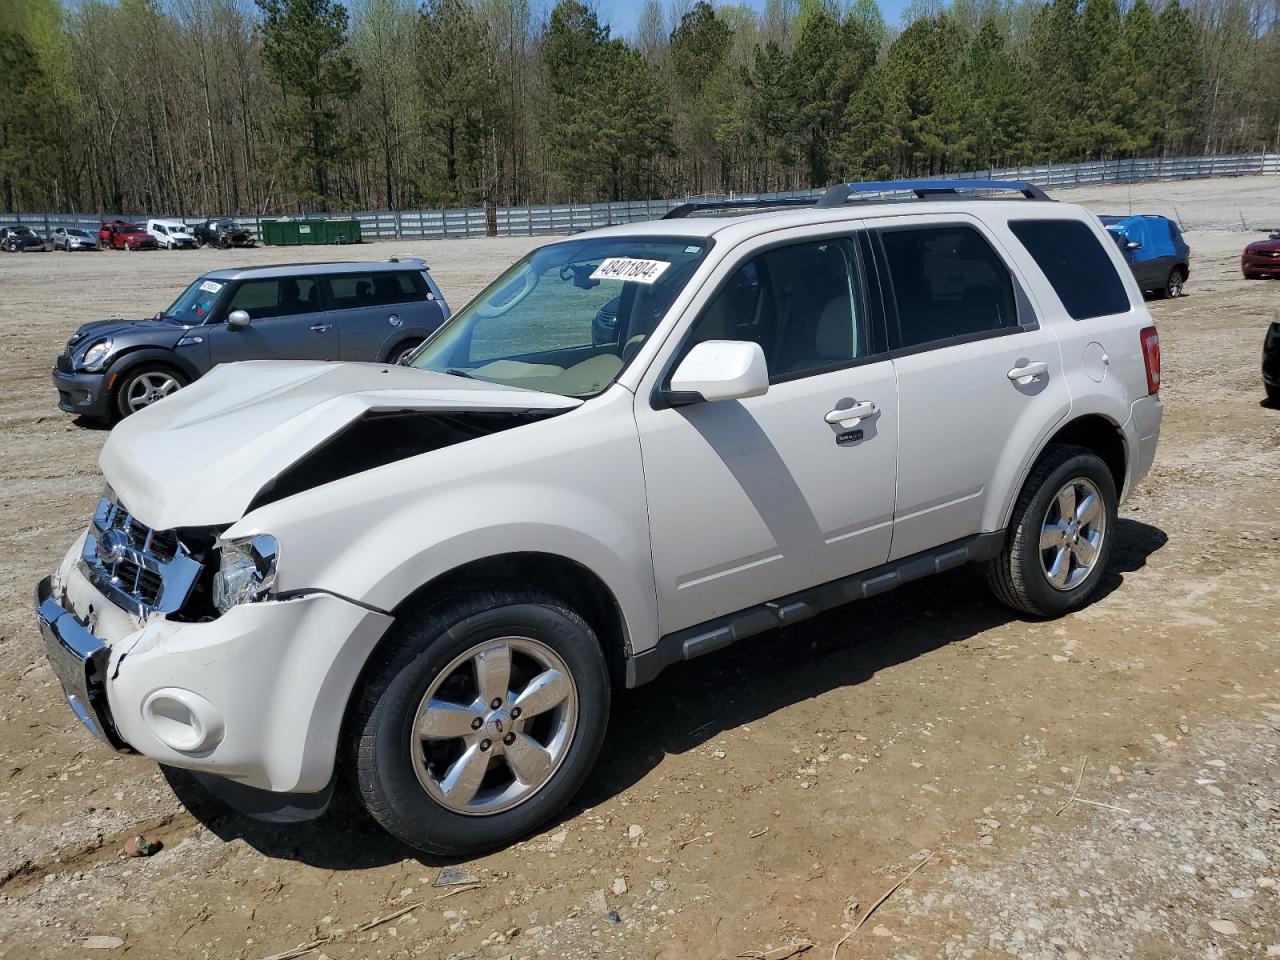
(454, 372)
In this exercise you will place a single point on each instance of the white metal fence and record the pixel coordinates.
(573, 217)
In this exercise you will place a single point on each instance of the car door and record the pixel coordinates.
(285, 323)
(979, 379)
(377, 309)
(751, 500)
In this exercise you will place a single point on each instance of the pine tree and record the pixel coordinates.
(454, 64)
(304, 45)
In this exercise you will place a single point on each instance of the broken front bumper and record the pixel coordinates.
(79, 659)
(256, 696)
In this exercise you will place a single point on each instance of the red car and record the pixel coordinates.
(119, 235)
(1261, 258)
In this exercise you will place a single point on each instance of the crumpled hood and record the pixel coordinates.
(200, 457)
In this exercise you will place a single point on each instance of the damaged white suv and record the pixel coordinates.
(636, 446)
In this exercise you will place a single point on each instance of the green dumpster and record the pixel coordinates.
(337, 230)
(290, 232)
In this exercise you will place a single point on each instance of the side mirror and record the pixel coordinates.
(1133, 245)
(238, 319)
(720, 370)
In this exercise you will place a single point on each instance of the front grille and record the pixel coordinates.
(143, 570)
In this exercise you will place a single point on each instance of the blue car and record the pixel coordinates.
(1155, 251)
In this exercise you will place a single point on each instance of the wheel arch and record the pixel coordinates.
(567, 579)
(581, 588)
(1093, 431)
(134, 356)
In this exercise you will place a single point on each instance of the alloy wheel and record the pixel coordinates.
(1072, 533)
(150, 387)
(494, 726)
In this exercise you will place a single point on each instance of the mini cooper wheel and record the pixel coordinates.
(1060, 535)
(479, 719)
(146, 385)
(404, 351)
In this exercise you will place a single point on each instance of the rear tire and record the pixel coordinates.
(455, 791)
(1173, 284)
(1053, 559)
(402, 350)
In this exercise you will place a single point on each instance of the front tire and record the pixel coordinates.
(479, 719)
(145, 385)
(1059, 538)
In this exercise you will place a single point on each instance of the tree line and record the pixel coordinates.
(279, 106)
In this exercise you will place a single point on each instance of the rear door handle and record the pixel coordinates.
(851, 415)
(321, 327)
(1028, 371)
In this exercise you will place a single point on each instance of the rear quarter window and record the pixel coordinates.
(1073, 260)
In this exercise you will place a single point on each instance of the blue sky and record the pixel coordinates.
(622, 14)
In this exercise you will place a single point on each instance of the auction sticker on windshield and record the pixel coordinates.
(629, 268)
(209, 286)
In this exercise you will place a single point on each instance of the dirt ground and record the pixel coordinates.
(767, 795)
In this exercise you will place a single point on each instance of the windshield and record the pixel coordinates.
(23, 231)
(196, 302)
(71, 232)
(568, 317)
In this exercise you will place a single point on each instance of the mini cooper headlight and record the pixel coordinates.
(247, 572)
(93, 358)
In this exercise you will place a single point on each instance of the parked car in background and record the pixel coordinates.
(104, 232)
(1262, 258)
(332, 311)
(19, 239)
(433, 577)
(1155, 251)
(72, 239)
(1271, 362)
(129, 236)
(171, 234)
(222, 232)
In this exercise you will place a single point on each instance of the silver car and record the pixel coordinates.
(72, 238)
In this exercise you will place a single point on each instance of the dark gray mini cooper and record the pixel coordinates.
(378, 312)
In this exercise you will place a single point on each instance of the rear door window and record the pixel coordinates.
(283, 297)
(1075, 264)
(348, 291)
(947, 283)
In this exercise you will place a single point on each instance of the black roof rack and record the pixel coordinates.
(927, 189)
(696, 206)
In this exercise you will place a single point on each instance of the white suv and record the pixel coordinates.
(637, 445)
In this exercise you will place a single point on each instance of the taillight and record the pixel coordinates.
(1151, 356)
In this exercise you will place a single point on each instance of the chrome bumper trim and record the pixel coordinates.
(79, 659)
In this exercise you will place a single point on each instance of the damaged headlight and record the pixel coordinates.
(247, 572)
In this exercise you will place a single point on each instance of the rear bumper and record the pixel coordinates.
(1142, 434)
(83, 394)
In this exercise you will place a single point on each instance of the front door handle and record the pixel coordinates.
(1028, 371)
(851, 415)
(321, 327)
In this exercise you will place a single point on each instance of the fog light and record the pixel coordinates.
(183, 720)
